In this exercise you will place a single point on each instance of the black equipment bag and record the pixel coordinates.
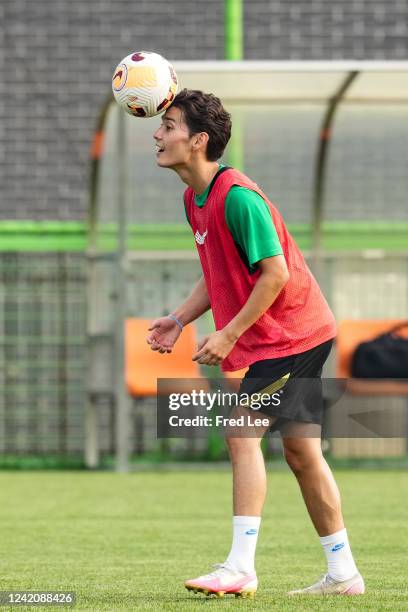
(383, 357)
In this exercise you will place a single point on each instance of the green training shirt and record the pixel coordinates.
(250, 222)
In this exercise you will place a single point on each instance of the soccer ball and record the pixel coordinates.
(144, 84)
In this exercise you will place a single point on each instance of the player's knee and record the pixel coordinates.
(299, 459)
(238, 446)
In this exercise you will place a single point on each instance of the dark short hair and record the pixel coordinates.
(204, 112)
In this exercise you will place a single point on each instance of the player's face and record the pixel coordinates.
(173, 142)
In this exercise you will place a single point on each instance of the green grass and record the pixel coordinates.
(127, 541)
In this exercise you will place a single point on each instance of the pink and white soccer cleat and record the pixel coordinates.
(327, 586)
(224, 581)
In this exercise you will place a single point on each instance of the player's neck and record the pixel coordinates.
(198, 177)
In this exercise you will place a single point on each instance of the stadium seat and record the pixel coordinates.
(143, 366)
(350, 334)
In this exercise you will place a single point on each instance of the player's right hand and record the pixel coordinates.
(164, 334)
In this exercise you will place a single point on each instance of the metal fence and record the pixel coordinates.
(42, 352)
(44, 345)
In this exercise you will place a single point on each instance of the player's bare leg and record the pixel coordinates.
(319, 489)
(248, 465)
(237, 574)
(322, 499)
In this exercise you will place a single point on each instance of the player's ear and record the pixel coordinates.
(200, 140)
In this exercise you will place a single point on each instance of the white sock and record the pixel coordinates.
(340, 562)
(245, 536)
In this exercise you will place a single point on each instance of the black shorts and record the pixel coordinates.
(294, 381)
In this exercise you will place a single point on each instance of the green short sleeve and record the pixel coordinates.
(250, 223)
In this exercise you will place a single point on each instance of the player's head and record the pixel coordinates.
(195, 125)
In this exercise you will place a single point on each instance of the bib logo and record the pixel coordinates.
(200, 238)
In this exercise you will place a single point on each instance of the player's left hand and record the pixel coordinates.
(214, 348)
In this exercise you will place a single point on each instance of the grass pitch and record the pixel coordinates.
(127, 542)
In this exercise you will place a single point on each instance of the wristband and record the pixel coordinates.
(175, 319)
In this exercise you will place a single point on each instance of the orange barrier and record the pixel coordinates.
(143, 366)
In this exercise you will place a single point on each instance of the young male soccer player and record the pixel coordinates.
(270, 315)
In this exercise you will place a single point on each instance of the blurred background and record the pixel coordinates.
(92, 233)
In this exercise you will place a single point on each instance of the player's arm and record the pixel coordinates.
(195, 305)
(165, 330)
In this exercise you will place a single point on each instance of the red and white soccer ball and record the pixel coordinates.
(144, 84)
